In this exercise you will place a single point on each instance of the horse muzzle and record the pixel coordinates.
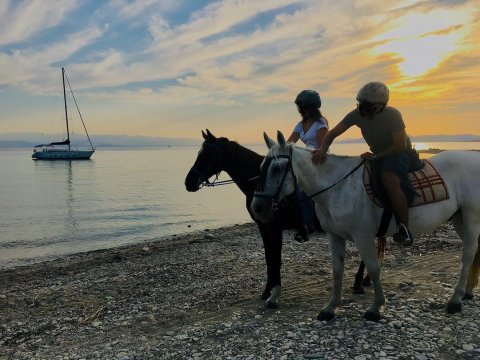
(263, 207)
(192, 182)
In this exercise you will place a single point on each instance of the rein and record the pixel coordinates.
(217, 159)
(223, 182)
(339, 181)
(290, 168)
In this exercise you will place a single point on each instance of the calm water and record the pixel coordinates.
(54, 208)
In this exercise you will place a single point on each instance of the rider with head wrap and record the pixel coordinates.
(310, 130)
(383, 129)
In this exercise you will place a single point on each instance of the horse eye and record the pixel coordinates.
(276, 168)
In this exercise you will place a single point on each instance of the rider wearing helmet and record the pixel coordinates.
(310, 130)
(383, 129)
(313, 126)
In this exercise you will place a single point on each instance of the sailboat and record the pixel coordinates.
(62, 150)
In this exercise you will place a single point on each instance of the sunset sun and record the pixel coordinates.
(423, 40)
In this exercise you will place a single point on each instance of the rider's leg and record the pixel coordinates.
(392, 185)
(295, 204)
(308, 211)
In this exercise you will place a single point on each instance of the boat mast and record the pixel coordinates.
(65, 103)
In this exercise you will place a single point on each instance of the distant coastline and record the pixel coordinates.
(427, 139)
(430, 151)
(30, 139)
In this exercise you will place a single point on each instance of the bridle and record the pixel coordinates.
(215, 163)
(260, 192)
(289, 167)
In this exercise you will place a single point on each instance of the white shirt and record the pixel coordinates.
(309, 138)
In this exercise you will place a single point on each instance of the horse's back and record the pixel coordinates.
(457, 156)
(461, 172)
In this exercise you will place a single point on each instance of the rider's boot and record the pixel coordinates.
(403, 236)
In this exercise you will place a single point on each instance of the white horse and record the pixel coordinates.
(346, 212)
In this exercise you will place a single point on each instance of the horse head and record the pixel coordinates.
(208, 162)
(277, 181)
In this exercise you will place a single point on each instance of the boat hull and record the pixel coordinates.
(62, 154)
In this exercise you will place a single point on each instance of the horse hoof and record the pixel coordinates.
(358, 290)
(371, 316)
(325, 315)
(467, 296)
(271, 304)
(453, 308)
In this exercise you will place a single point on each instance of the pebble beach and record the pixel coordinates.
(197, 296)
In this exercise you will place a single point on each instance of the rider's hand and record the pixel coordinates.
(367, 156)
(318, 156)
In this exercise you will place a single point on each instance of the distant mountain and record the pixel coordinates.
(427, 138)
(15, 144)
(28, 139)
(32, 139)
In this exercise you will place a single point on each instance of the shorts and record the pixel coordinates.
(399, 164)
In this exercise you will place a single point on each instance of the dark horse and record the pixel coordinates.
(243, 166)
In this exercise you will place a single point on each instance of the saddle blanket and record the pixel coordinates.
(427, 182)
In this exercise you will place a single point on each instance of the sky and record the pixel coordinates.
(171, 68)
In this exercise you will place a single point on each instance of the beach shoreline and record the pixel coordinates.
(197, 295)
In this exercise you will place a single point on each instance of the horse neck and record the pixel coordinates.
(313, 178)
(242, 165)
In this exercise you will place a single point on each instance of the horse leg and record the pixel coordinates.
(381, 241)
(266, 247)
(272, 242)
(369, 256)
(469, 232)
(472, 280)
(357, 285)
(360, 282)
(337, 246)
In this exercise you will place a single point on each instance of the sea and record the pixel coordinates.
(51, 209)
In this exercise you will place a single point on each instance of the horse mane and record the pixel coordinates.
(235, 146)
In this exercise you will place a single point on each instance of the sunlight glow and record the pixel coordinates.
(424, 40)
(421, 146)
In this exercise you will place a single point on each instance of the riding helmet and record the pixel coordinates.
(374, 92)
(309, 98)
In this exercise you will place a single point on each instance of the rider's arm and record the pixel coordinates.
(320, 154)
(321, 134)
(294, 137)
(399, 144)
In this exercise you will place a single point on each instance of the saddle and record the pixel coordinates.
(426, 182)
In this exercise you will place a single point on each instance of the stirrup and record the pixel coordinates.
(403, 235)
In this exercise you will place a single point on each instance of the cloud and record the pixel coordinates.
(20, 20)
(234, 53)
(21, 67)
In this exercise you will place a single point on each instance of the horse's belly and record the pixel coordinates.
(426, 218)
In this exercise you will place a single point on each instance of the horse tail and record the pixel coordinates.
(473, 274)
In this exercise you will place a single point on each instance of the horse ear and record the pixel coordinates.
(268, 141)
(210, 135)
(204, 135)
(281, 138)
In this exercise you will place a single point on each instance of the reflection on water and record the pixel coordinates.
(70, 222)
(53, 208)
